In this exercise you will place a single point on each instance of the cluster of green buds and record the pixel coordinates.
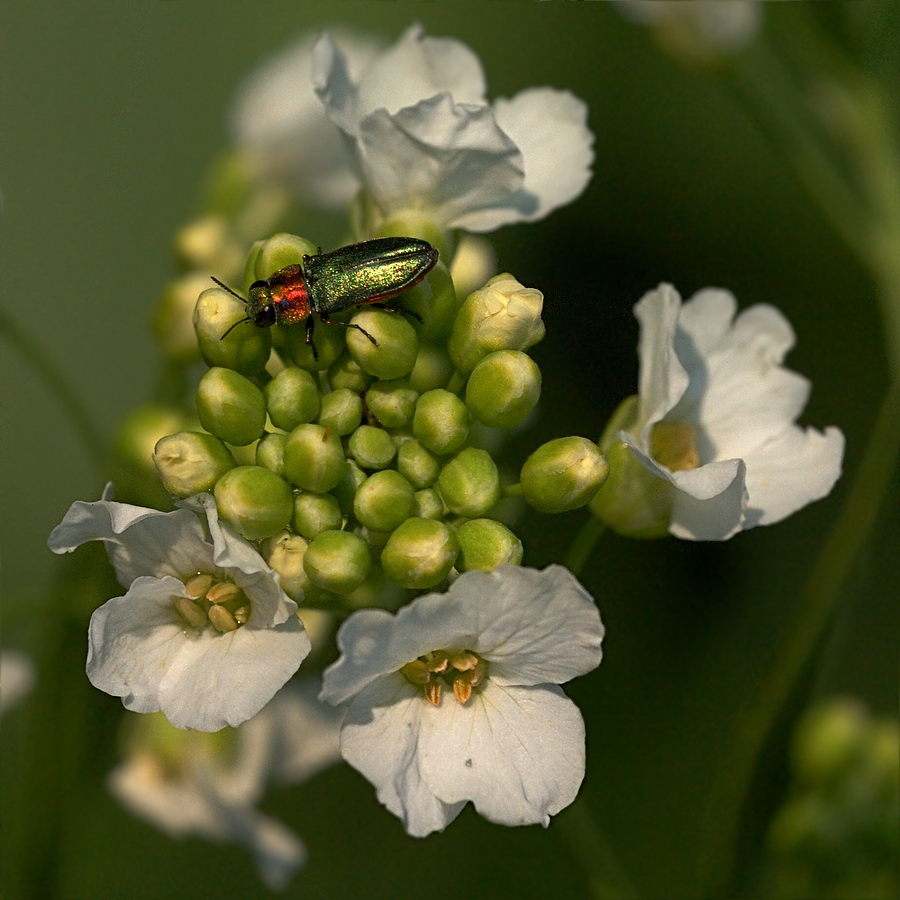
(837, 833)
(356, 461)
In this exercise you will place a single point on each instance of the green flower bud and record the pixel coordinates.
(341, 411)
(470, 483)
(255, 501)
(384, 500)
(346, 373)
(503, 315)
(209, 244)
(315, 513)
(330, 344)
(433, 369)
(141, 430)
(191, 462)
(284, 553)
(394, 353)
(433, 299)
(563, 474)
(279, 251)
(420, 553)
(313, 458)
(486, 544)
(292, 398)
(231, 406)
(503, 388)
(429, 504)
(830, 739)
(633, 502)
(392, 402)
(418, 465)
(474, 262)
(371, 447)
(345, 490)
(270, 452)
(337, 561)
(245, 348)
(173, 318)
(441, 421)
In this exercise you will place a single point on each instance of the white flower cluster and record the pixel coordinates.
(423, 141)
(456, 697)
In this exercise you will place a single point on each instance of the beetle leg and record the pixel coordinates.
(349, 325)
(398, 309)
(310, 325)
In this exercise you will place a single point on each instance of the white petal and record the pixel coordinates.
(743, 395)
(242, 562)
(139, 541)
(134, 640)
(417, 67)
(278, 119)
(334, 85)
(533, 627)
(278, 851)
(225, 679)
(380, 738)
(791, 470)
(448, 159)
(550, 129)
(516, 752)
(293, 737)
(373, 643)
(662, 379)
(17, 677)
(703, 322)
(175, 806)
(708, 503)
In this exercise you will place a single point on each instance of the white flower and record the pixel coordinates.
(204, 633)
(17, 678)
(715, 418)
(278, 120)
(698, 29)
(456, 697)
(208, 785)
(427, 144)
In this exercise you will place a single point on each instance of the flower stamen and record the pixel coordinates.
(674, 445)
(462, 670)
(206, 601)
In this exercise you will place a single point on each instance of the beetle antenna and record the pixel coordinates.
(230, 291)
(235, 325)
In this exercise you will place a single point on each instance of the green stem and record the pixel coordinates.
(59, 387)
(816, 605)
(583, 545)
(608, 880)
(777, 106)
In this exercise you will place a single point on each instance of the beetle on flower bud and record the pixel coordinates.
(368, 272)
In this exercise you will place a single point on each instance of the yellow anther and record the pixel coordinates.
(464, 661)
(462, 687)
(223, 592)
(241, 614)
(438, 662)
(190, 612)
(674, 445)
(415, 672)
(433, 693)
(197, 586)
(221, 619)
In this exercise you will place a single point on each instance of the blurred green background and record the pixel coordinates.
(112, 113)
